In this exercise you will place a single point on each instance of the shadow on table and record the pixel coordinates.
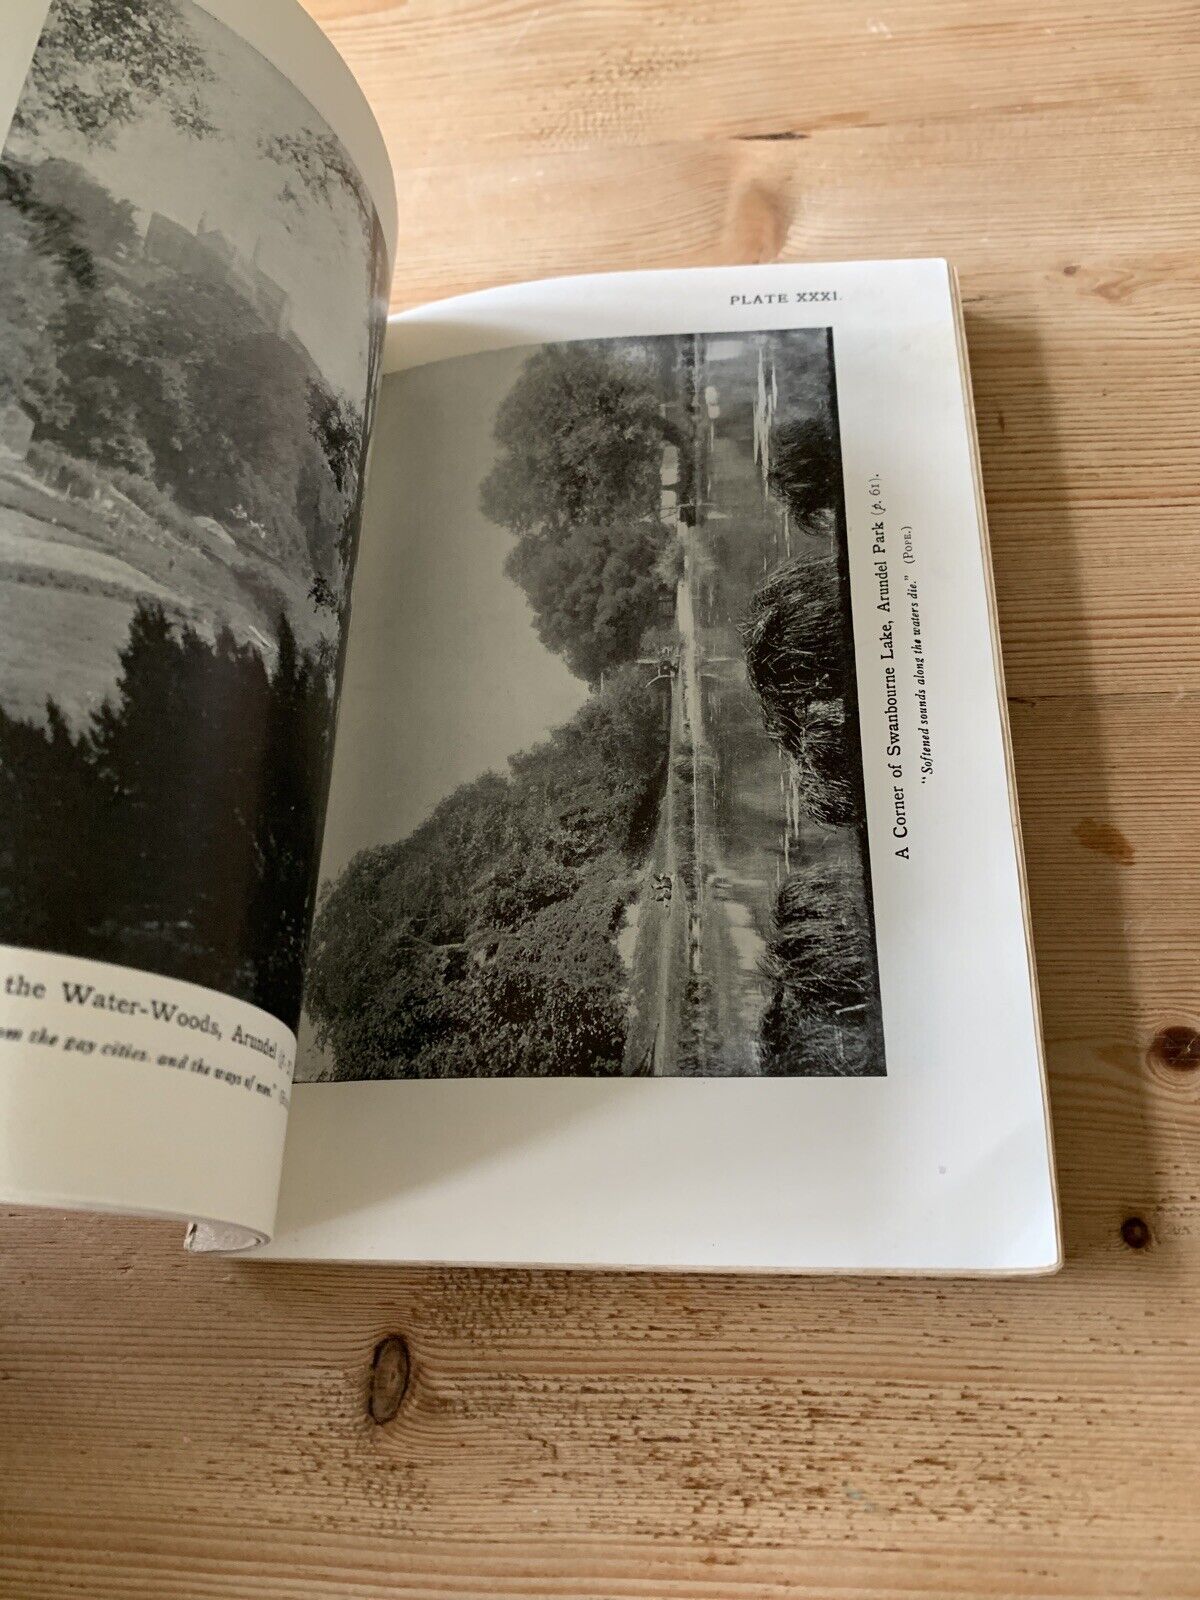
(1077, 858)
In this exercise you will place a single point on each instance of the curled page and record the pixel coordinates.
(196, 222)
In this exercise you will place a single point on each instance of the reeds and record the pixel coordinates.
(825, 763)
(800, 662)
(795, 642)
(820, 946)
(804, 465)
(822, 1016)
(795, 1044)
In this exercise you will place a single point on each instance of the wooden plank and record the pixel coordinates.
(962, 189)
(520, 75)
(172, 1428)
(945, 1438)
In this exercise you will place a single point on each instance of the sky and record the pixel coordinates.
(445, 676)
(316, 252)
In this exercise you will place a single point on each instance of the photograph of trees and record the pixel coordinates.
(191, 320)
(673, 877)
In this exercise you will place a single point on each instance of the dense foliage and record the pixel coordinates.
(100, 64)
(178, 830)
(483, 943)
(577, 478)
(594, 591)
(129, 369)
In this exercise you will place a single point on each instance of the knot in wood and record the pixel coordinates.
(389, 1378)
(1135, 1231)
(1177, 1048)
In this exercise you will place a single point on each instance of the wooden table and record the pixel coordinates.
(175, 1427)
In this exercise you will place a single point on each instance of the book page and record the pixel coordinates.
(196, 220)
(671, 908)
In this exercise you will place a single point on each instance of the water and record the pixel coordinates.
(732, 825)
(750, 828)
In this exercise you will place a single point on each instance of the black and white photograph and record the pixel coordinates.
(192, 304)
(598, 807)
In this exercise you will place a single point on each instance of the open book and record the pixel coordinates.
(660, 899)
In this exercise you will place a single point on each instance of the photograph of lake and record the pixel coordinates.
(598, 800)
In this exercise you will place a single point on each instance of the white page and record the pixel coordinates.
(941, 1162)
(214, 160)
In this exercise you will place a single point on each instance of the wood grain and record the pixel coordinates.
(190, 1428)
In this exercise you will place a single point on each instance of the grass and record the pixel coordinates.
(800, 663)
(825, 764)
(820, 944)
(796, 644)
(124, 494)
(805, 466)
(69, 526)
(796, 1044)
(76, 678)
(60, 470)
(823, 1015)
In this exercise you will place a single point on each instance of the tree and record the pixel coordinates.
(178, 830)
(99, 223)
(338, 426)
(319, 166)
(548, 995)
(390, 939)
(144, 374)
(30, 289)
(46, 276)
(129, 375)
(288, 820)
(155, 367)
(594, 591)
(55, 872)
(580, 439)
(336, 423)
(111, 380)
(577, 479)
(483, 944)
(181, 808)
(52, 229)
(100, 64)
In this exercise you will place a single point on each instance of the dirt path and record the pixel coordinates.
(674, 919)
(659, 975)
(696, 959)
(723, 941)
